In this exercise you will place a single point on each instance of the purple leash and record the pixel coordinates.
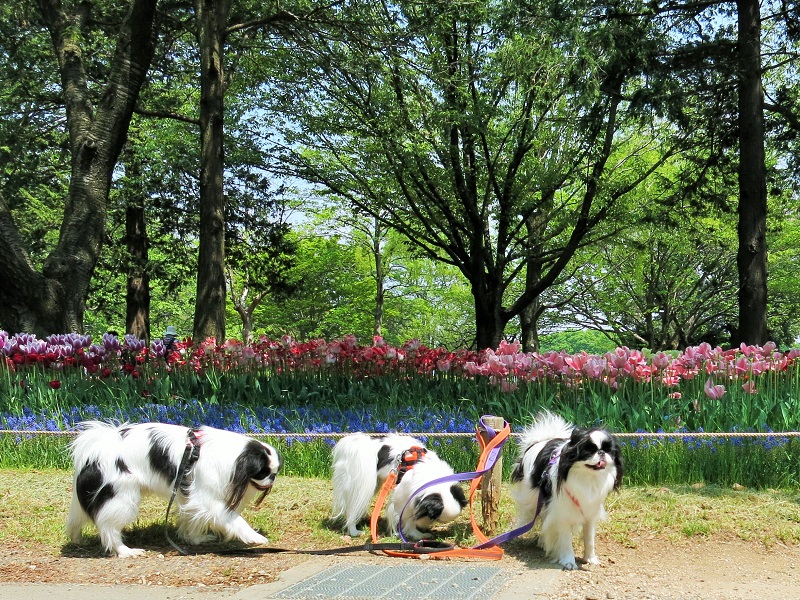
(491, 459)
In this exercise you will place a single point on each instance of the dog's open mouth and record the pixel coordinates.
(599, 466)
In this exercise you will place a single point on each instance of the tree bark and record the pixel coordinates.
(209, 316)
(380, 291)
(137, 300)
(751, 258)
(54, 300)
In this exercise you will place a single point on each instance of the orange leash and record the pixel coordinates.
(431, 549)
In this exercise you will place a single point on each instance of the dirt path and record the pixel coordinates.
(688, 569)
(656, 569)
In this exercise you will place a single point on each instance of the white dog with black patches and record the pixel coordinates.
(116, 465)
(564, 475)
(361, 465)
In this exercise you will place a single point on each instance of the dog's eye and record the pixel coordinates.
(263, 473)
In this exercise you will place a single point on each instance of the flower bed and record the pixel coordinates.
(314, 388)
(44, 382)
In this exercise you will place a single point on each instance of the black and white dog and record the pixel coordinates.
(565, 473)
(361, 465)
(115, 465)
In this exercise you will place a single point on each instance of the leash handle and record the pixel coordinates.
(376, 512)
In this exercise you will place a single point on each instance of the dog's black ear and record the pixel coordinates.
(458, 494)
(252, 463)
(431, 506)
(518, 472)
(616, 454)
(577, 434)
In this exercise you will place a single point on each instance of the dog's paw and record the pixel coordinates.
(125, 552)
(591, 560)
(254, 538)
(354, 532)
(568, 563)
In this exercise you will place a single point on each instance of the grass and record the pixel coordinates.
(759, 464)
(296, 515)
(673, 513)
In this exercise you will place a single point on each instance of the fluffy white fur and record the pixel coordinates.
(116, 465)
(573, 470)
(361, 465)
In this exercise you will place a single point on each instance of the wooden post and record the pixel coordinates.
(491, 481)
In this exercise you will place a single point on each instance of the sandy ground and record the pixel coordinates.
(655, 569)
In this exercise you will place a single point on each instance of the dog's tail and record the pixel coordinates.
(355, 476)
(95, 443)
(545, 426)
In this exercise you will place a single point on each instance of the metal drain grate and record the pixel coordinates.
(413, 581)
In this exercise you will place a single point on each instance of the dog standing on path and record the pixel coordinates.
(361, 465)
(564, 474)
(116, 465)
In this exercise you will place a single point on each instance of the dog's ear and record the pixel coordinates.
(253, 463)
(458, 494)
(577, 434)
(430, 506)
(616, 454)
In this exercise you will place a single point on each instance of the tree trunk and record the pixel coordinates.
(209, 316)
(751, 258)
(380, 292)
(489, 320)
(529, 316)
(528, 319)
(29, 301)
(137, 300)
(54, 300)
(247, 324)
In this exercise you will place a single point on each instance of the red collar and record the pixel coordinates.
(408, 459)
(573, 498)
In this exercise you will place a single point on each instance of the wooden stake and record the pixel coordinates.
(491, 481)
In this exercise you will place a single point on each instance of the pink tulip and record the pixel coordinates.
(715, 392)
(507, 349)
(750, 387)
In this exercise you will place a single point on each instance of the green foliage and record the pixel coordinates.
(331, 298)
(573, 341)
(713, 460)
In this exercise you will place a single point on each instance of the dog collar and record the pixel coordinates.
(573, 498)
(408, 459)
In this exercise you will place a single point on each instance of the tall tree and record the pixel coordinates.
(137, 297)
(719, 54)
(751, 257)
(209, 314)
(454, 122)
(216, 22)
(53, 299)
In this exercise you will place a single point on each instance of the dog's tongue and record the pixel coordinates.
(601, 464)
